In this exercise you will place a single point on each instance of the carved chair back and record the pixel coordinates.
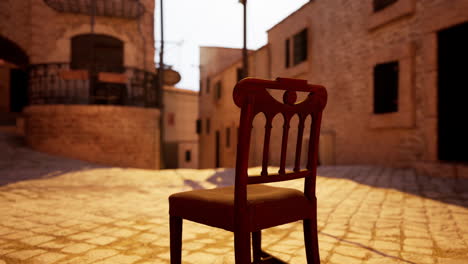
(252, 96)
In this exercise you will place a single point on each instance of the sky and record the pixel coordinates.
(189, 24)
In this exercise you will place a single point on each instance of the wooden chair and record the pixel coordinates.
(249, 206)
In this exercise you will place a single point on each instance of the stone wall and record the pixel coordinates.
(346, 39)
(108, 135)
(45, 34)
(180, 135)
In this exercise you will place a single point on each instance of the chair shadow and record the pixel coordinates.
(447, 190)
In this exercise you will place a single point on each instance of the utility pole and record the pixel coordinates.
(245, 59)
(161, 91)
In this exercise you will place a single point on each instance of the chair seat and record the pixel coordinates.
(267, 206)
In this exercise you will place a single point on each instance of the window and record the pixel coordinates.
(287, 51)
(386, 88)
(188, 156)
(382, 4)
(207, 126)
(171, 119)
(219, 89)
(200, 86)
(228, 137)
(300, 47)
(240, 74)
(208, 84)
(199, 126)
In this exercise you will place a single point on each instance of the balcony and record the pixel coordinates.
(57, 83)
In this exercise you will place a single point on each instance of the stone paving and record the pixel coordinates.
(58, 210)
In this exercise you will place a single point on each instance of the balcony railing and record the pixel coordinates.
(56, 83)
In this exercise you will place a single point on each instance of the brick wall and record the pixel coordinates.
(345, 41)
(109, 135)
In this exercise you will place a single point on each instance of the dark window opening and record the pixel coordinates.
(452, 140)
(170, 119)
(219, 89)
(207, 126)
(199, 126)
(97, 52)
(382, 4)
(188, 156)
(386, 88)
(300, 47)
(200, 85)
(287, 52)
(208, 84)
(228, 137)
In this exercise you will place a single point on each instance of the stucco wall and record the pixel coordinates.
(109, 135)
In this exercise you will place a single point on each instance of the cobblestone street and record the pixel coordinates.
(58, 210)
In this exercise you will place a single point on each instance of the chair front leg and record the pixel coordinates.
(241, 247)
(311, 241)
(175, 226)
(257, 246)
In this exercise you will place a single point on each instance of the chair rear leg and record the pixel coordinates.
(311, 241)
(257, 246)
(175, 226)
(241, 247)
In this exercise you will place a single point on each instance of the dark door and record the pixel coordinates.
(453, 94)
(103, 53)
(217, 145)
(18, 89)
(100, 53)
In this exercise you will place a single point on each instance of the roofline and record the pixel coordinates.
(293, 13)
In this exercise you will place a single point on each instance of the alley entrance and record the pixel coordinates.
(453, 93)
(13, 81)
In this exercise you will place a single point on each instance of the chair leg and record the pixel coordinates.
(175, 226)
(257, 246)
(311, 241)
(242, 247)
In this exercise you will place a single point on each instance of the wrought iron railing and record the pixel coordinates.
(130, 9)
(56, 83)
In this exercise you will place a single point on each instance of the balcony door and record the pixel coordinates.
(100, 54)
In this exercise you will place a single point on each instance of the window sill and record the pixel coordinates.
(391, 13)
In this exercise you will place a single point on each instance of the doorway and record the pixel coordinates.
(217, 150)
(452, 94)
(18, 90)
(100, 53)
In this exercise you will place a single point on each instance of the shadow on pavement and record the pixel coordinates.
(20, 163)
(447, 190)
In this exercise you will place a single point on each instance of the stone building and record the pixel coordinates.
(81, 75)
(393, 71)
(180, 136)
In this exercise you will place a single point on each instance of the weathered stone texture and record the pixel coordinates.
(345, 41)
(111, 135)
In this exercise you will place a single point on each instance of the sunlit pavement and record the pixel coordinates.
(57, 210)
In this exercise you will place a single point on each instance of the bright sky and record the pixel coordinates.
(189, 24)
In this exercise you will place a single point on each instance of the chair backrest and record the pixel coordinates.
(252, 96)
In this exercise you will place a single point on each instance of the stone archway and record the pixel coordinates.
(13, 79)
